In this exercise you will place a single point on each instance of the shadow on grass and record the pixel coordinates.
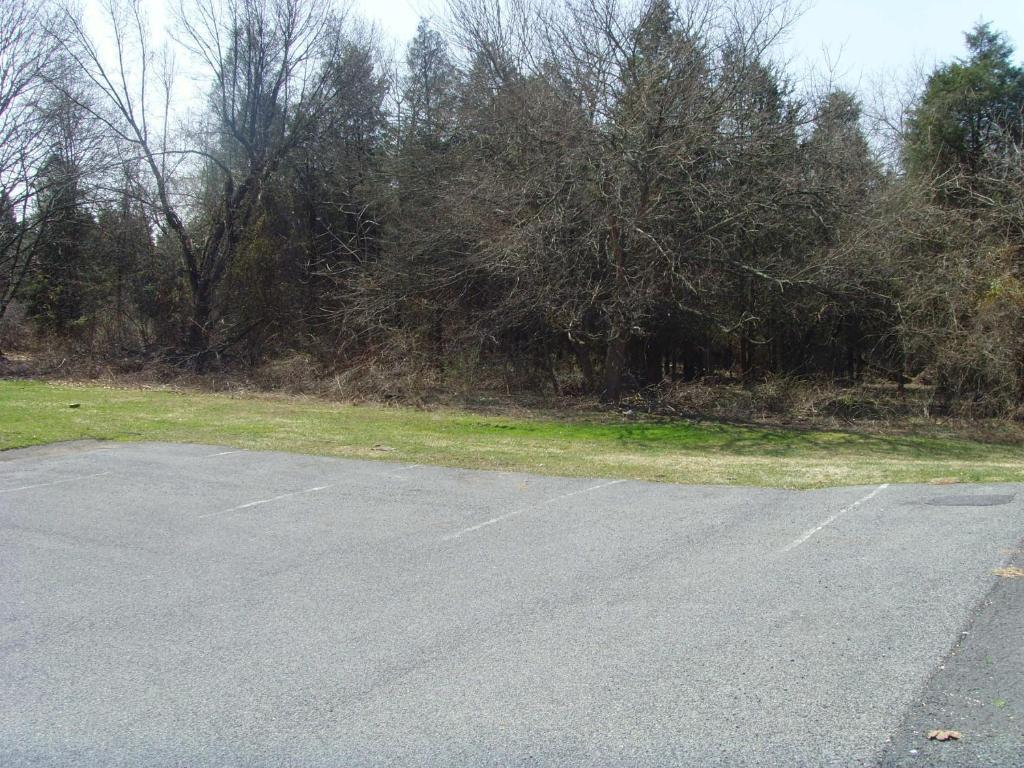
(33, 412)
(746, 440)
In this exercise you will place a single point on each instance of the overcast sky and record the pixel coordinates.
(861, 41)
(868, 38)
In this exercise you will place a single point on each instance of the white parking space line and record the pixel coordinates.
(258, 502)
(513, 513)
(223, 453)
(55, 482)
(809, 533)
(400, 469)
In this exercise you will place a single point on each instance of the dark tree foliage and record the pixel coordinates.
(64, 269)
(593, 197)
(970, 108)
(961, 244)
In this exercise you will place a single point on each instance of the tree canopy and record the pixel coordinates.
(592, 197)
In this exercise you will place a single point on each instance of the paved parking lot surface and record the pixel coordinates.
(186, 605)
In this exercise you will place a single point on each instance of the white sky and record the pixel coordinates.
(867, 38)
(860, 41)
(890, 38)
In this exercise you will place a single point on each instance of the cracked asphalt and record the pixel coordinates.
(187, 605)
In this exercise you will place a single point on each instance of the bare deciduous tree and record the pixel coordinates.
(264, 62)
(28, 52)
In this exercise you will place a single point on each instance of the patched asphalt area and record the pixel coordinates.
(198, 606)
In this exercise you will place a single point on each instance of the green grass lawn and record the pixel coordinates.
(32, 413)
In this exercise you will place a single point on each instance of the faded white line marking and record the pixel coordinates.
(808, 534)
(400, 469)
(83, 453)
(258, 502)
(395, 474)
(513, 513)
(223, 453)
(55, 482)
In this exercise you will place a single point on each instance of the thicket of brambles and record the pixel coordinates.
(606, 192)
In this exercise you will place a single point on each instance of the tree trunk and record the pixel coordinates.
(654, 367)
(199, 341)
(852, 340)
(1020, 377)
(618, 336)
(586, 366)
(614, 366)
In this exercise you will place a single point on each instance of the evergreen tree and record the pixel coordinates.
(970, 108)
(429, 87)
(63, 268)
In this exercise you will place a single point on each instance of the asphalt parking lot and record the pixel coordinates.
(187, 605)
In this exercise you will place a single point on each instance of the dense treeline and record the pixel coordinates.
(617, 193)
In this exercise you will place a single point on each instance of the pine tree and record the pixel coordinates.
(970, 108)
